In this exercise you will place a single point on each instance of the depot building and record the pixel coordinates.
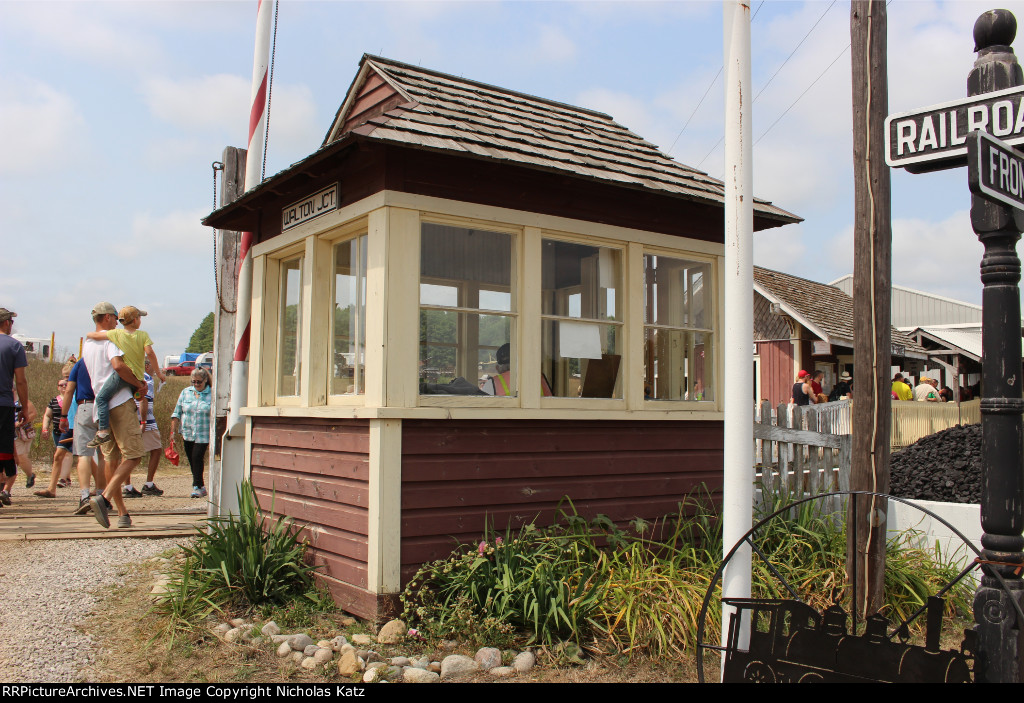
(468, 305)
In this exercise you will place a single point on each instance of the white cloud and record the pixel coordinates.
(782, 249)
(40, 127)
(171, 234)
(552, 45)
(199, 103)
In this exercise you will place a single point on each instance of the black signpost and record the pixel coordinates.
(993, 109)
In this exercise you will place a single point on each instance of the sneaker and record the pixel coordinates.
(124, 520)
(84, 506)
(5, 497)
(100, 439)
(132, 492)
(151, 491)
(100, 506)
(198, 492)
(30, 481)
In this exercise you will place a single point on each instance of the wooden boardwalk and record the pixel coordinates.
(33, 519)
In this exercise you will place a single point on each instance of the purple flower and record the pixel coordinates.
(497, 541)
(482, 548)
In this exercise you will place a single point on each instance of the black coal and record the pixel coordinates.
(945, 466)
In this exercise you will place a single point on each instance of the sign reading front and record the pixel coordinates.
(319, 203)
(995, 170)
(933, 138)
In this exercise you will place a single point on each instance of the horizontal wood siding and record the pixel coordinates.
(317, 472)
(458, 474)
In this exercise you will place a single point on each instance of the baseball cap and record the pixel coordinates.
(6, 314)
(104, 309)
(129, 313)
(802, 374)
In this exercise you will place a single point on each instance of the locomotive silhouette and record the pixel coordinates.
(791, 642)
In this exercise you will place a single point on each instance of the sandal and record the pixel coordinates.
(64, 483)
(45, 493)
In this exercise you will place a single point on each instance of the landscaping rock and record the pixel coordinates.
(362, 640)
(392, 632)
(416, 675)
(457, 665)
(421, 663)
(325, 644)
(270, 629)
(371, 676)
(238, 622)
(233, 635)
(323, 655)
(278, 639)
(300, 642)
(524, 661)
(338, 642)
(309, 663)
(284, 650)
(399, 661)
(297, 657)
(221, 629)
(435, 667)
(348, 662)
(488, 658)
(449, 644)
(502, 671)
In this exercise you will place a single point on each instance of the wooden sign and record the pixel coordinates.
(934, 138)
(319, 203)
(995, 170)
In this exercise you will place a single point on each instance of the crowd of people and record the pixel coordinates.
(807, 389)
(102, 414)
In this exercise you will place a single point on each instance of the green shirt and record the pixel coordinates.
(133, 347)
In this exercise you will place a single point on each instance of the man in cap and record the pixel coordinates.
(927, 390)
(102, 360)
(12, 368)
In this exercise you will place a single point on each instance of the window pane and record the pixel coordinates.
(677, 365)
(464, 346)
(467, 268)
(581, 281)
(289, 354)
(349, 322)
(581, 360)
(677, 293)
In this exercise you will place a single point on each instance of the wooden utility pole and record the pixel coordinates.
(872, 344)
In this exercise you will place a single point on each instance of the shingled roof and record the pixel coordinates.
(823, 309)
(402, 104)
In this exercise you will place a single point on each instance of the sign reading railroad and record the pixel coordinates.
(934, 138)
(319, 203)
(995, 170)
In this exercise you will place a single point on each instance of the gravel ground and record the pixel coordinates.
(48, 588)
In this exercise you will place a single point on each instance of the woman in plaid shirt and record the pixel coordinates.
(192, 415)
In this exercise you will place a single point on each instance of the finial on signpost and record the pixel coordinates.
(995, 28)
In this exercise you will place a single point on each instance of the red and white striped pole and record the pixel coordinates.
(253, 176)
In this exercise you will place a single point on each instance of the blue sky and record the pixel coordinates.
(111, 113)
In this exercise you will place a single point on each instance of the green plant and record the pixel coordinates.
(245, 560)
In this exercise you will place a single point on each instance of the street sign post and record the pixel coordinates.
(995, 170)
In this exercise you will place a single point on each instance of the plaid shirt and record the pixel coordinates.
(193, 411)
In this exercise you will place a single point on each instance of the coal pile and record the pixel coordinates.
(945, 466)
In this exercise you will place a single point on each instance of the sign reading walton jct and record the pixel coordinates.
(995, 170)
(933, 138)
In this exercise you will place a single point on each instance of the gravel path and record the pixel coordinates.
(48, 588)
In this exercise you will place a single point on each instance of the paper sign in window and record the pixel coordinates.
(579, 341)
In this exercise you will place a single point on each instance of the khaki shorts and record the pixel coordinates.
(22, 447)
(127, 444)
(85, 430)
(151, 440)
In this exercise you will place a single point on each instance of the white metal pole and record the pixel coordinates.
(738, 492)
(233, 449)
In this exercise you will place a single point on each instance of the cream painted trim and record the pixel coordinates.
(469, 401)
(529, 352)
(268, 359)
(384, 560)
(465, 413)
(402, 308)
(256, 329)
(247, 454)
(581, 403)
(324, 223)
(310, 266)
(433, 207)
(634, 338)
(376, 301)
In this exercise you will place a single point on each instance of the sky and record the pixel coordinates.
(111, 114)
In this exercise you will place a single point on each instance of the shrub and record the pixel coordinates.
(246, 560)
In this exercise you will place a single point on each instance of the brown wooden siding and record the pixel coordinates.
(776, 370)
(456, 475)
(317, 472)
(375, 98)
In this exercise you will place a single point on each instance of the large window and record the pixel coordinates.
(581, 320)
(678, 358)
(348, 323)
(289, 352)
(467, 312)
